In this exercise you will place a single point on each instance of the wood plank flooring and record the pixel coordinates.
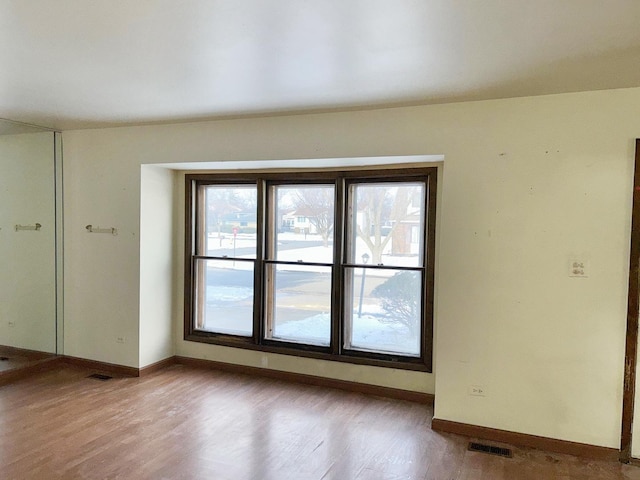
(187, 423)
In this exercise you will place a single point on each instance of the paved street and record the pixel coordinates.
(244, 251)
(287, 280)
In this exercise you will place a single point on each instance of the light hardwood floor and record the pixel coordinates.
(187, 423)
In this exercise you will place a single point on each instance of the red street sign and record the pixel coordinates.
(235, 231)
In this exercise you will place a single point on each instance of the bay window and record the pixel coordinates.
(331, 265)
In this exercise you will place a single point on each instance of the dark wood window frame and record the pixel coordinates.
(335, 351)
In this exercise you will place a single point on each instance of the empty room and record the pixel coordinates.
(464, 180)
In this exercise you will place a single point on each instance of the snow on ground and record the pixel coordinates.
(222, 293)
(316, 254)
(368, 333)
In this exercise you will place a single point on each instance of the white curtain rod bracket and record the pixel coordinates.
(35, 227)
(92, 229)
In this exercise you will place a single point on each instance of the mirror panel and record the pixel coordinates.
(27, 239)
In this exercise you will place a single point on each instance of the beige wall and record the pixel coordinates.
(527, 185)
(157, 264)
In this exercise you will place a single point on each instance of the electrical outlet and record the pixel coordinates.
(120, 340)
(477, 390)
(12, 324)
(578, 268)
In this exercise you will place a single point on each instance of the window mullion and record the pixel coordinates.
(258, 295)
(338, 259)
(190, 251)
(429, 273)
(200, 240)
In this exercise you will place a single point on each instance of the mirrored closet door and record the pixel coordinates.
(28, 237)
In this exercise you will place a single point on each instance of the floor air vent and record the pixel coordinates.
(481, 447)
(99, 376)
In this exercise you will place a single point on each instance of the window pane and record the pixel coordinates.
(386, 221)
(383, 310)
(224, 299)
(299, 304)
(304, 223)
(230, 221)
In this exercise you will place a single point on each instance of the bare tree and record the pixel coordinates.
(381, 207)
(317, 204)
(222, 202)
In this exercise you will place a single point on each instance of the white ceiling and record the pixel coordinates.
(77, 63)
